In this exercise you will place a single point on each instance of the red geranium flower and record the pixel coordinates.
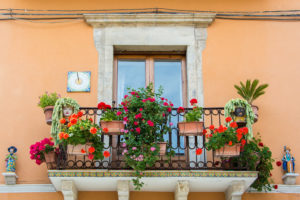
(82, 151)
(239, 136)
(239, 131)
(93, 130)
(275, 187)
(221, 129)
(91, 156)
(169, 109)
(245, 130)
(211, 127)
(80, 114)
(73, 121)
(193, 101)
(66, 135)
(74, 116)
(198, 151)
(135, 123)
(105, 130)
(62, 120)
(180, 109)
(243, 142)
(278, 163)
(91, 120)
(260, 144)
(92, 149)
(107, 106)
(228, 119)
(101, 105)
(150, 123)
(106, 154)
(230, 143)
(138, 130)
(204, 131)
(233, 125)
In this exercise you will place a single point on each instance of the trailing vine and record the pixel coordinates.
(58, 114)
(230, 107)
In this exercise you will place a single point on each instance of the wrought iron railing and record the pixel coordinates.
(184, 147)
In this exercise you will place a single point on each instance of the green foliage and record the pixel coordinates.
(146, 115)
(58, 114)
(194, 115)
(251, 90)
(48, 99)
(258, 157)
(234, 103)
(80, 133)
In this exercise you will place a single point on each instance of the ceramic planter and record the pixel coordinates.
(162, 148)
(114, 127)
(190, 128)
(50, 157)
(228, 151)
(255, 111)
(48, 110)
(76, 149)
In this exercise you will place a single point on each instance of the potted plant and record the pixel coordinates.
(111, 120)
(251, 91)
(257, 157)
(64, 108)
(81, 136)
(241, 112)
(192, 126)
(47, 102)
(146, 116)
(226, 141)
(43, 151)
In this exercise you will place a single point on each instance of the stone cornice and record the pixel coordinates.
(104, 20)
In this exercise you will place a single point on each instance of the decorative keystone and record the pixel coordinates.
(10, 178)
(182, 190)
(69, 190)
(235, 190)
(123, 189)
(290, 178)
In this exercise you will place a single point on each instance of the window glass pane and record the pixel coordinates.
(131, 74)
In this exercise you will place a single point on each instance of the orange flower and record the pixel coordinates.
(69, 124)
(92, 149)
(73, 121)
(233, 125)
(61, 135)
(80, 114)
(62, 120)
(105, 130)
(74, 116)
(240, 131)
(51, 138)
(245, 129)
(239, 136)
(106, 154)
(93, 130)
(82, 151)
(66, 135)
(198, 151)
(230, 143)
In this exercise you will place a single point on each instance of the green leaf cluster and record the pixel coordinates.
(194, 115)
(48, 99)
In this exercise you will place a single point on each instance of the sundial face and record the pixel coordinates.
(79, 82)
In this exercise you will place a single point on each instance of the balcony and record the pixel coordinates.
(203, 173)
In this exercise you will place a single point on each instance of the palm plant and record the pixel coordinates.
(251, 90)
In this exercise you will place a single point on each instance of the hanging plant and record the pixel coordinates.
(230, 108)
(145, 116)
(58, 114)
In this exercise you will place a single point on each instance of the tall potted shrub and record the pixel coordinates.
(250, 91)
(145, 116)
(47, 102)
(192, 125)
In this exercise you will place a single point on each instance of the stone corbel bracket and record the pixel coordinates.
(184, 19)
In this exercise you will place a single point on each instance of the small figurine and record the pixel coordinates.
(11, 159)
(288, 161)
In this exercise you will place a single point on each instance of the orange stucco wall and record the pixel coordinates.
(35, 57)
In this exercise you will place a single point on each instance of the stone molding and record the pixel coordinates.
(25, 188)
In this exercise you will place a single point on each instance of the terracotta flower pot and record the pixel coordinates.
(50, 157)
(228, 151)
(76, 149)
(48, 110)
(162, 148)
(255, 111)
(113, 127)
(190, 128)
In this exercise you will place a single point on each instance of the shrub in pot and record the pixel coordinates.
(111, 119)
(47, 102)
(251, 91)
(146, 116)
(226, 141)
(192, 126)
(241, 112)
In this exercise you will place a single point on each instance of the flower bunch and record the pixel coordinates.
(226, 135)
(193, 115)
(145, 116)
(109, 114)
(82, 131)
(48, 99)
(38, 150)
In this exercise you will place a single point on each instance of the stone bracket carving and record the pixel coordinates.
(123, 189)
(235, 190)
(182, 190)
(69, 190)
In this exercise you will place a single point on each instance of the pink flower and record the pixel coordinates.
(125, 131)
(138, 116)
(125, 96)
(38, 162)
(169, 109)
(150, 123)
(125, 151)
(144, 100)
(119, 113)
(152, 148)
(162, 98)
(124, 145)
(171, 104)
(166, 104)
(171, 124)
(135, 123)
(138, 129)
(91, 156)
(122, 130)
(132, 93)
(141, 109)
(133, 148)
(152, 99)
